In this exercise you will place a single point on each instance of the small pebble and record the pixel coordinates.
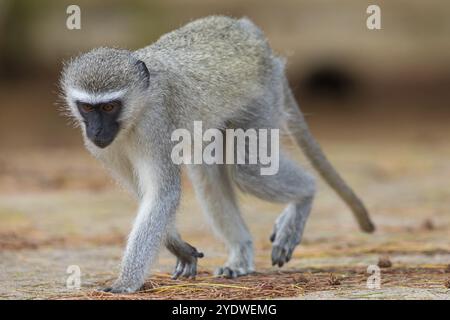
(384, 262)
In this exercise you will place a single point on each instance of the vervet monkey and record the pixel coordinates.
(217, 70)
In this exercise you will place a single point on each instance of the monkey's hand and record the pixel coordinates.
(186, 262)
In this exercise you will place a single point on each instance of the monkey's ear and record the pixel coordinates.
(144, 72)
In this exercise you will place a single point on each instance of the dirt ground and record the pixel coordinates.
(51, 219)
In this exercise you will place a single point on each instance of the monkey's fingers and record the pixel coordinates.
(190, 271)
(179, 268)
(185, 269)
(281, 255)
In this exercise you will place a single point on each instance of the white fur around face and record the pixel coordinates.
(93, 98)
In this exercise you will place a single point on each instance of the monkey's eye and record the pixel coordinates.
(108, 107)
(84, 107)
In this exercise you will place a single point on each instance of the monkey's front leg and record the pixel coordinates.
(160, 198)
(186, 254)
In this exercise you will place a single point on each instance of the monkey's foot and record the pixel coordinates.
(186, 267)
(232, 272)
(239, 264)
(121, 288)
(285, 237)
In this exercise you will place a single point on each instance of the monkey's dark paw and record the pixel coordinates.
(282, 254)
(284, 240)
(283, 247)
(187, 268)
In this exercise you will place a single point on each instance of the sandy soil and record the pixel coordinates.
(58, 220)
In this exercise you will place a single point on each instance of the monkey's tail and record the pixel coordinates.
(298, 128)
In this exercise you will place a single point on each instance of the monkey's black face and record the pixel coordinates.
(101, 121)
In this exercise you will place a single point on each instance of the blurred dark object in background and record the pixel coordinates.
(328, 82)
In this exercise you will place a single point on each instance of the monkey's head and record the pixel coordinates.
(104, 89)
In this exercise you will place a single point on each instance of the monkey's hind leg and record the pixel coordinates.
(186, 255)
(290, 185)
(215, 192)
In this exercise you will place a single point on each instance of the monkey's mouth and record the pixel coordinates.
(102, 143)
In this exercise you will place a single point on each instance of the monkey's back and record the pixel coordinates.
(215, 60)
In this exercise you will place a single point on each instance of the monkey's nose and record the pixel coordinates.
(98, 131)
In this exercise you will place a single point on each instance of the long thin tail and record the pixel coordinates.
(298, 128)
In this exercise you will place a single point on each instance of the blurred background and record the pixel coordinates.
(378, 100)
